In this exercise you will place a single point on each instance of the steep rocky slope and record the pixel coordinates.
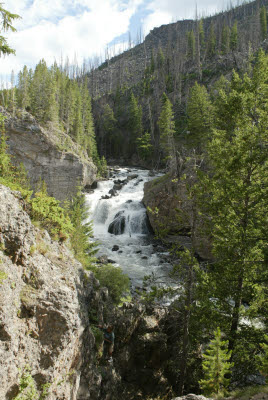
(172, 214)
(128, 68)
(48, 306)
(48, 154)
(45, 297)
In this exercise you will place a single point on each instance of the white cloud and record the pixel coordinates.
(166, 11)
(49, 28)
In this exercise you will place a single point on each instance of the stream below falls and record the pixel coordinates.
(121, 226)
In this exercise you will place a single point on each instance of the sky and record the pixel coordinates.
(82, 29)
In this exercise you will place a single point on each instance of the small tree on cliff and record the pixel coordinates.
(216, 365)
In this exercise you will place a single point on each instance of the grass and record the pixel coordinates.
(248, 392)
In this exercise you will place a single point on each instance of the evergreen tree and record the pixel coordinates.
(69, 105)
(167, 128)
(235, 197)
(89, 140)
(225, 39)
(43, 94)
(263, 359)
(200, 115)
(152, 66)
(6, 20)
(13, 95)
(5, 158)
(145, 147)
(134, 120)
(201, 33)
(263, 22)
(108, 131)
(77, 131)
(190, 44)
(81, 237)
(23, 88)
(234, 37)
(211, 41)
(160, 58)
(216, 365)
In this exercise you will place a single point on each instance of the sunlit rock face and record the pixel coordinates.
(44, 155)
(45, 299)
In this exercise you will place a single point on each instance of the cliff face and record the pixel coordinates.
(172, 216)
(48, 306)
(40, 152)
(45, 298)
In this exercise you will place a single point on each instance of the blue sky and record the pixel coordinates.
(80, 29)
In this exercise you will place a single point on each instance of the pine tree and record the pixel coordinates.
(211, 41)
(160, 58)
(225, 39)
(216, 365)
(69, 105)
(77, 131)
(144, 146)
(89, 140)
(134, 120)
(13, 95)
(6, 170)
(190, 44)
(235, 196)
(43, 94)
(263, 359)
(263, 22)
(84, 247)
(6, 20)
(23, 88)
(167, 129)
(200, 116)
(201, 34)
(234, 37)
(108, 131)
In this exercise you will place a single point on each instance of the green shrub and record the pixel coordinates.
(50, 214)
(27, 386)
(98, 335)
(114, 279)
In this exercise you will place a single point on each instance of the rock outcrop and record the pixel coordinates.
(48, 154)
(49, 308)
(45, 301)
(171, 214)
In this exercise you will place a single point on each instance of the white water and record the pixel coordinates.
(136, 254)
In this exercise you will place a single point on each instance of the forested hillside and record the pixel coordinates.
(127, 90)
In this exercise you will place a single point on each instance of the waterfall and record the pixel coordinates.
(121, 226)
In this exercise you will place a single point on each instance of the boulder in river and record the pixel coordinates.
(115, 248)
(133, 176)
(113, 192)
(117, 227)
(117, 186)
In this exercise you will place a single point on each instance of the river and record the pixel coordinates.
(121, 226)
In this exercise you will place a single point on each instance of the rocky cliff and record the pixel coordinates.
(45, 299)
(172, 214)
(48, 154)
(49, 307)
